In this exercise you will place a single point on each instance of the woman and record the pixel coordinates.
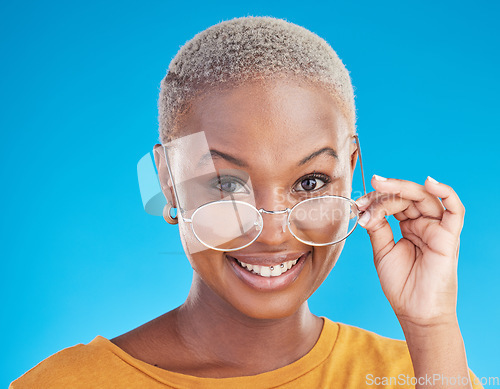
(260, 111)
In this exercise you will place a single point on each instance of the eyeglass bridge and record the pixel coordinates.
(286, 210)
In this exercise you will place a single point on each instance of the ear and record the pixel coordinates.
(163, 174)
(354, 152)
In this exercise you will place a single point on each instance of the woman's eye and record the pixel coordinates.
(310, 183)
(231, 185)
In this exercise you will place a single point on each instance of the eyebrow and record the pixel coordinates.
(219, 154)
(238, 162)
(325, 150)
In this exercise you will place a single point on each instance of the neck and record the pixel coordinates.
(228, 343)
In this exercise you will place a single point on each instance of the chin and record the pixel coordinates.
(271, 308)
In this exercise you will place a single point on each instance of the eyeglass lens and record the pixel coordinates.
(230, 225)
(226, 225)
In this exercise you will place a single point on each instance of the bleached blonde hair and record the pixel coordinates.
(250, 48)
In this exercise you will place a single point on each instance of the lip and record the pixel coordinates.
(268, 283)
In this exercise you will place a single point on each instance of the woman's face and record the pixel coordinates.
(293, 143)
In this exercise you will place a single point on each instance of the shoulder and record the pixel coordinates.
(66, 368)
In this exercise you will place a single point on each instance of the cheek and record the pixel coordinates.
(343, 186)
(326, 257)
(201, 259)
(203, 262)
(189, 241)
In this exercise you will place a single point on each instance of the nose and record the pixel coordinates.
(274, 217)
(274, 229)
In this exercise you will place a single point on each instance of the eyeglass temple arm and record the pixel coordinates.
(176, 195)
(361, 162)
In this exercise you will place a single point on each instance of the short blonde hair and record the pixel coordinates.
(249, 48)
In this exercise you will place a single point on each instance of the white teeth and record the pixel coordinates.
(269, 271)
(265, 271)
(276, 271)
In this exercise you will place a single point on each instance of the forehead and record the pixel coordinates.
(279, 121)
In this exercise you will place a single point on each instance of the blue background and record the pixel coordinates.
(79, 84)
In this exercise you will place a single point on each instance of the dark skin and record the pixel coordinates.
(227, 328)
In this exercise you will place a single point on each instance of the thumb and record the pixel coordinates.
(381, 236)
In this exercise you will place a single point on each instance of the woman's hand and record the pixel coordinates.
(418, 274)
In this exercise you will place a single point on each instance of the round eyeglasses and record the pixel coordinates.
(229, 225)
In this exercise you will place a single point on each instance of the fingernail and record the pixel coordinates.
(432, 180)
(379, 178)
(362, 201)
(364, 219)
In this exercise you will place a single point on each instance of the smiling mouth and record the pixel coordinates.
(268, 271)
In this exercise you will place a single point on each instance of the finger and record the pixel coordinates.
(384, 205)
(453, 217)
(408, 233)
(400, 216)
(432, 235)
(382, 240)
(411, 212)
(426, 204)
(364, 201)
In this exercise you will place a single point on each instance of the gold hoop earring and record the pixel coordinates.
(167, 216)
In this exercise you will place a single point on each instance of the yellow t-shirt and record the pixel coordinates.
(343, 357)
